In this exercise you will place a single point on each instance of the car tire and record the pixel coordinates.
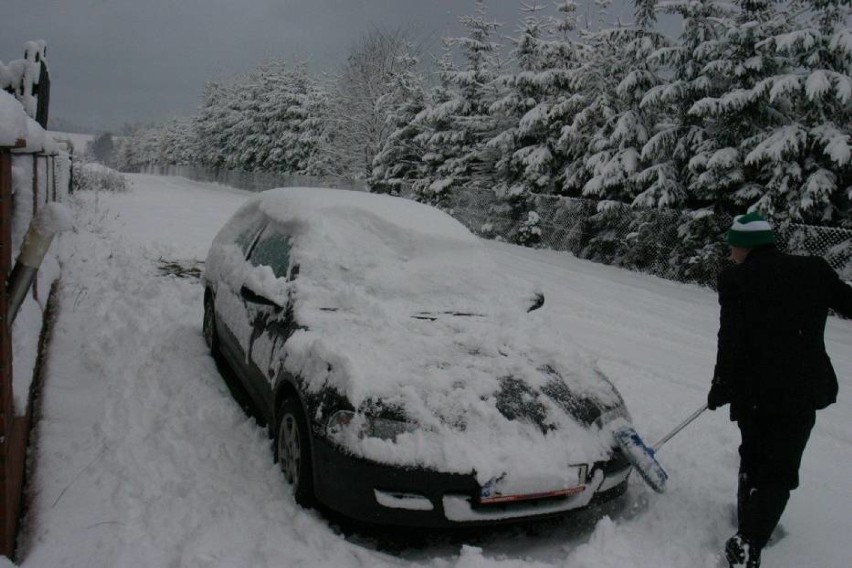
(293, 451)
(208, 327)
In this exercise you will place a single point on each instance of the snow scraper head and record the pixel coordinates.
(642, 458)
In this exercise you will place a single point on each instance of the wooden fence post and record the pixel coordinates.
(11, 435)
(6, 410)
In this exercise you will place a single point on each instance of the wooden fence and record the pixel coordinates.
(49, 169)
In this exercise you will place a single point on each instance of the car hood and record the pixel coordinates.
(489, 394)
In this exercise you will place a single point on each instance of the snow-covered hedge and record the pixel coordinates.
(96, 177)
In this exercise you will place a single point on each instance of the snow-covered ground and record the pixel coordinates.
(144, 459)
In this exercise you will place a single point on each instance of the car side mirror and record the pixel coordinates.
(536, 302)
(250, 295)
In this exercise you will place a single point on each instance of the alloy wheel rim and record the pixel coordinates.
(289, 449)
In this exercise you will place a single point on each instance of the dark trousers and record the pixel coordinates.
(770, 455)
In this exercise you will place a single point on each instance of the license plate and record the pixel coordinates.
(504, 489)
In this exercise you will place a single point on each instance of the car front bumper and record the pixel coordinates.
(383, 494)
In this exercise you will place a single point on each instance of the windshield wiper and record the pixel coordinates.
(432, 316)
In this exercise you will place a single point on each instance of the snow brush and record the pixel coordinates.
(642, 457)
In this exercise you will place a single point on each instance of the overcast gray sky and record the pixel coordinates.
(117, 61)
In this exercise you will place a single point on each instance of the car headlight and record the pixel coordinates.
(613, 414)
(344, 424)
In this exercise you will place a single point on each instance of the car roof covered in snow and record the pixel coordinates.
(396, 213)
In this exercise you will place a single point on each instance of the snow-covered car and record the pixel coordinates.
(406, 377)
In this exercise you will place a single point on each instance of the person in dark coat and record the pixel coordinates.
(772, 368)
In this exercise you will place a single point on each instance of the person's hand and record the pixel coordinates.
(718, 396)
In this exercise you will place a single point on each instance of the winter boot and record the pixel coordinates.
(741, 554)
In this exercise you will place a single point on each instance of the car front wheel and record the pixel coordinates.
(208, 327)
(293, 451)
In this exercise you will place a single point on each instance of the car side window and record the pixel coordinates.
(245, 239)
(272, 250)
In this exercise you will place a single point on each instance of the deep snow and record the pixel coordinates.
(144, 459)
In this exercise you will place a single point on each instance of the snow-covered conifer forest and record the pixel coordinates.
(749, 107)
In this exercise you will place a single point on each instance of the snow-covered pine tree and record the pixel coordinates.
(614, 158)
(315, 135)
(678, 135)
(595, 89)
(682, 153)
(539, 99)
(217, 116)
(290, 135)
(140, 149)
(739, 118)
(804, 160)
(606, 136)
(455, 129)
(178, 143)
(524, 160)
(432, 123)
(733, 121)
(565, 56)
(271, 119)
(711, 119)
(261, 96)
(264, 103)
(399, 160)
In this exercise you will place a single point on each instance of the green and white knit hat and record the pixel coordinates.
(749, 231)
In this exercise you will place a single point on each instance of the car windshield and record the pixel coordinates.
(245, 239)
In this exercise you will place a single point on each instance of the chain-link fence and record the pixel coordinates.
(660, 242)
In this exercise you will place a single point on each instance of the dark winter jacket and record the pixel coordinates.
(771, 354)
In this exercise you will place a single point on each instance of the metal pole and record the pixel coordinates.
(680, 427)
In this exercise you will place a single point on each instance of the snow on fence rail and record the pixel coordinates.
(34, 170)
